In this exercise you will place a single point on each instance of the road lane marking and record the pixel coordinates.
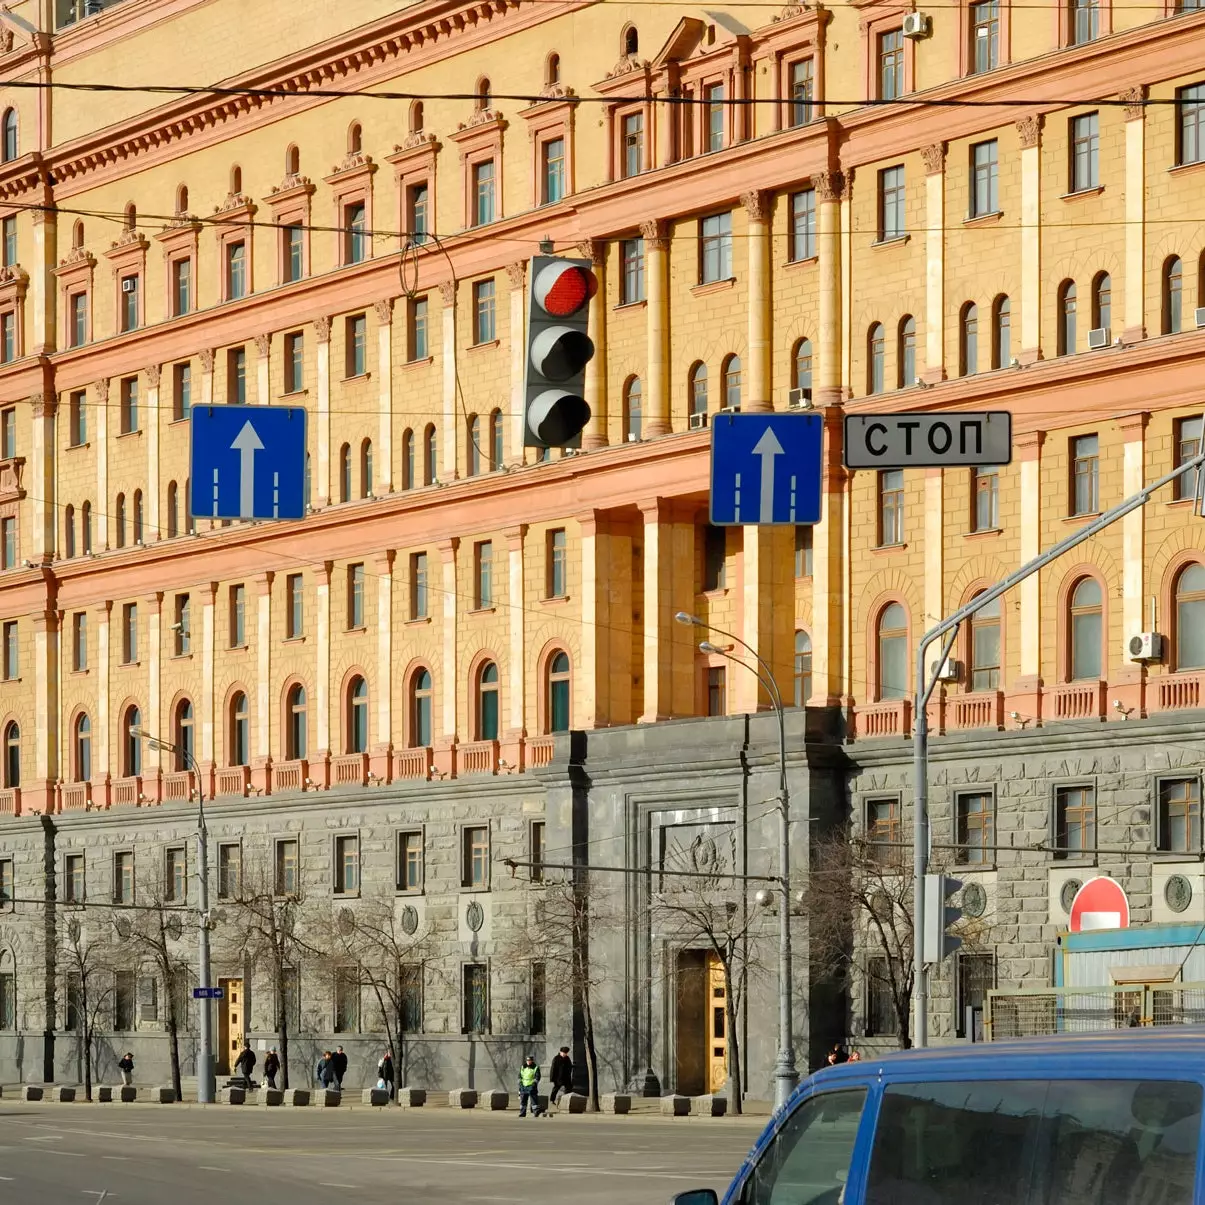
(45, 1138)
(8, 1178)
(325, 1184)
(204, 1167)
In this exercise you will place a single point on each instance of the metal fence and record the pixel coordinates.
(1035, 1012)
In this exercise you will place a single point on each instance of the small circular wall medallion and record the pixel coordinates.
(174, 927)
(409, 920)
(346, 922)
(974, 900)
(474, 916)
(1067, 894)
(1177, 892)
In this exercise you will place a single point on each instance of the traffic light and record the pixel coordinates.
(939, 916)
(558, 350)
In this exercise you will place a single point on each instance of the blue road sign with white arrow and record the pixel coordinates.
(248, 462)
(766, 469)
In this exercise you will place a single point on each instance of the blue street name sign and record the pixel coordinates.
(766, 469)
(248, 462)
(207, 993)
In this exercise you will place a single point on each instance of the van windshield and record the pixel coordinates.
(1061, 1142)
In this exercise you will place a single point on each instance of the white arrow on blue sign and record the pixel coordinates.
(766, 469)
(207, 993)
(248, 462)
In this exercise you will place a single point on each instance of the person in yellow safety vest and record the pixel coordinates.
(529, 1086)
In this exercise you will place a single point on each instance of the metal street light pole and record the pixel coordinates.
(786, 1074)
(206, 1082)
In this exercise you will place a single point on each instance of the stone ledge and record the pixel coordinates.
(412, 1098)
(377, 1097)
(675, 1106)
(495, 1099)
(617, 1103)
(462, 1098)
(708, 1106)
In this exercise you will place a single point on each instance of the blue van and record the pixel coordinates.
(1110, 1118)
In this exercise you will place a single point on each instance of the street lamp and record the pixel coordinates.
(786, 1074)
(205, 1065)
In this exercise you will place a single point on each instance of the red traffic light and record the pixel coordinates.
(562, 289)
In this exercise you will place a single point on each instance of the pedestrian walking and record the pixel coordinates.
(320, 1068)
(837, 1055)
(271, 1067)
(245, 1064)
(327, 1071)
(529, 1086)
(385, 1072)
(560, 1075)
(339, 1065)
(126, 1067)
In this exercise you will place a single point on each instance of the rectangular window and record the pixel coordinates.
(182, 626)
(8, 337)
(803, 225)
(347, 865)
(713, 113)
(230, 871)
(1084, 21)
(557, 555)
(985, 487)
(78, 306)
(236, 376)
(8, 1000)
(130, 286)
(11, 666)
(129, 405)
(882, 1020)
(475, 998)
(715, 558)
(77, 414)
(985, 171)
(417, 322)
(633, 144)
(976, 977)
(976, 827)
(1188, 447)
(539, 998)
(1085, 152)
(129, 633)
(483, 574)
(483, 311)
(411, 993)
(536, 853)
(419, 214)
(6, 882)
(123, 878)
(717, 690)
(883, 831)
(294, 352)
(1075, 822)
(291, 236)
(1179, 829)
(8, 543)
(347, 1000)
(418, 585)
(79, 641)
(357, 345)
(985, 36)
(475, 860)
(175, 876)
(181, 391)
(891, 507)
(1190, 105)
(410, 861)
(355, 596)
(181, 286)
(891, 203)
(9, 234)
(8, 432)
(803, 91)
(355, 222)
(1085, 475)
(553, 170)
(803, 551)
(73, 879)
(631, 279)
(125, 1000)
(484, 208)
(715, 248)
(891, 65)
(294, 609)
(236, 271)
(286, 867)
(238, 616)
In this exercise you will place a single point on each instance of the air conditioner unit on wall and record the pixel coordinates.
(1099, 337)
(916, 25)
(799, 399)
(1146, 646)
(129, 284)
(948, 670)
(698, 421)
(1200, 316)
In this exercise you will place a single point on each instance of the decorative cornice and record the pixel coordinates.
(322, 326)
(129, 237)
(654, 234)
(354, 161)
(1029, 130)
(153, 375)
(78, 255)
(207, 358)
(384, 310)
(595, 250)
(757, 205)
(627, 65)
(481, 117)
(790, 11)
(1135, 98)
(263, 344)
(447, 291)
(934, 156)
(516, 273)
(102, 390)
(290, 184)
(829, 186)
(236, 202)
(419, 140)
(44, 405)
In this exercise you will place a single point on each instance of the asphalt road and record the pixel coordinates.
(156, 1155)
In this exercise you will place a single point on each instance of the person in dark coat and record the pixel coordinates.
(245, 1064)
(560, 1075)
(271, 1067)
(327, 1070)
(339, 1065)
(126, 1067)
(385, 1071)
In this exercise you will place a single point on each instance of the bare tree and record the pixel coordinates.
(88, 959)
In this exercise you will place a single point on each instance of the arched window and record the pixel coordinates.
(697, 385)
(552, 70)
(1002, 318)
(630, 40)
(292, 161)
(131, 216)
(1102, 301)
(185, 736)
(1086, 624)
(236, 179)
(69, 532)
(295, 712)
(86, 529)
(985, 648)
(345, 473)
(77, 235)
(892, 652)
(876, 359)
(355, 138)
(416, 117)
(131, 760)
(407, 459)
(474, 449)
(1173, 283)
(357, 716)
(420, 708)
(968, 340)
(497, 450)
(366, 469)
(483, 93)
(119, 520)
(905, 356)
(173, 511)
(1066, 339)
(430, 456)
(633, 410)
(238, 748)
(803, 668)
(12, 755)
(1190, 618)
(558, 692)
(801, 367)
(731, 376)
(487, 702)
(82, 748)
(182, 199)
(137, 524)
(10, 135)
